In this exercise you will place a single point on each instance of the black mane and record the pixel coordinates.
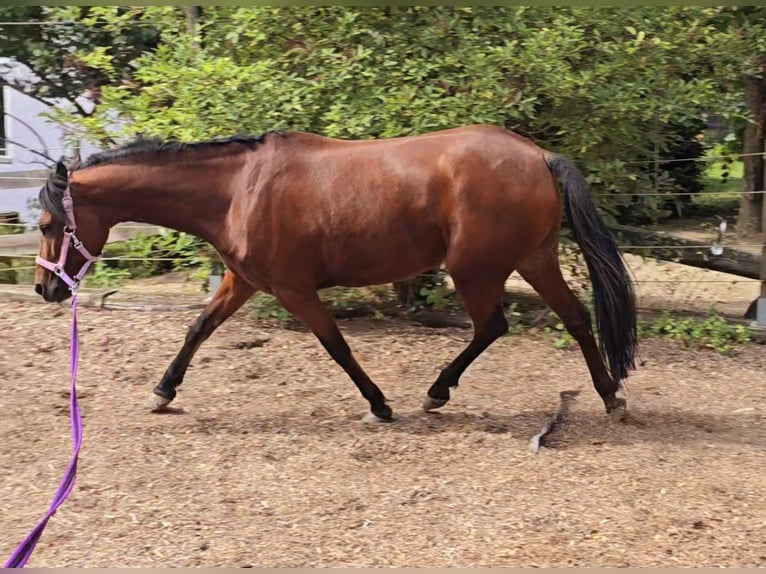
(52, 191)
(153, 146)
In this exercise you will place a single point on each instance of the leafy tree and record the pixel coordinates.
(50, 47)
(612, 88)
(748, 23)
(604, 86)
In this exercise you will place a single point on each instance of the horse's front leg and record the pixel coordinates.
(229, 297)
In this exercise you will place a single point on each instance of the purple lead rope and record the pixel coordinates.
(20, 556)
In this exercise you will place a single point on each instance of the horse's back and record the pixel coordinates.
(367, 211)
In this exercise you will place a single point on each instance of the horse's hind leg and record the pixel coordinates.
(543, 273)
(307, 306)
(229, 297)
(482, 296)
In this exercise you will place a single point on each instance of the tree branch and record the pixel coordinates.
(34, 133)
(24, 89)
(29, 149)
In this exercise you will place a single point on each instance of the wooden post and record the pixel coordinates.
(663, 246)
(191, 24)
(760, 314)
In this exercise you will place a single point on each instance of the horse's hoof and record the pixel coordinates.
(381, 414)
(157, 402)
(372, 418)
(617, 409)
(431, 404)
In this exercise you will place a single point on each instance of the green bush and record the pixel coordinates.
(149, 255)
(713, 332)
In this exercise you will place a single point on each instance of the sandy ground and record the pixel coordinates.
(268, 465)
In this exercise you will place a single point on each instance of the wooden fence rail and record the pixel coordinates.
(667, 247)
(29, 243)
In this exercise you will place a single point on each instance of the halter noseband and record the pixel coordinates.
(69, 235)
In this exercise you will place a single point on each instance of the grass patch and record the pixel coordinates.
(712, 332)
(722, 189)
(264, 306)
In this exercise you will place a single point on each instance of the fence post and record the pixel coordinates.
(216, 276)
(192, 21)
(760, 308)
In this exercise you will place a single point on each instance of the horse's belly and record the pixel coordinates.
(375, 263)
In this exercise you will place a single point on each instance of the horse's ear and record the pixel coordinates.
(62, 171)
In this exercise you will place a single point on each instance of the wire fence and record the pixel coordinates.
(675, 292)
(704, 158)
(726, 193)
(670, 288)
(741, 280)
(624, 247)
(41, 180)
(513, 277)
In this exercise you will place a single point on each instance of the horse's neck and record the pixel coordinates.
(195, 202)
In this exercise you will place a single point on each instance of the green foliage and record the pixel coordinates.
(10, 224)
(354, 297)
(12, 229)
(605, 86)
(267, 307)
(335, 298)
(53, 49)
(434, 291)
(516, 324)
(561, 337)
(102, 275)
(148, 255)
(722, 186)
(713, 332)
(7, 272)
(611, 87)
(725, 169)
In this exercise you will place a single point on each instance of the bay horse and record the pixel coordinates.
(291, 213)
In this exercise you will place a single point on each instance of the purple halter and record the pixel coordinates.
(69, 236)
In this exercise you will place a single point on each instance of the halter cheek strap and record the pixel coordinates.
(69, 237)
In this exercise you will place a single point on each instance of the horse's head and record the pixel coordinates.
(70, 233)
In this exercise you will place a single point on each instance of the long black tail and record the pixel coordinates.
(613, 294)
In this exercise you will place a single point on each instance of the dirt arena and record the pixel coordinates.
(269, 464)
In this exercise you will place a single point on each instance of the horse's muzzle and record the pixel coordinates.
(54, 291)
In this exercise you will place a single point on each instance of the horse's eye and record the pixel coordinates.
(45, 229)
